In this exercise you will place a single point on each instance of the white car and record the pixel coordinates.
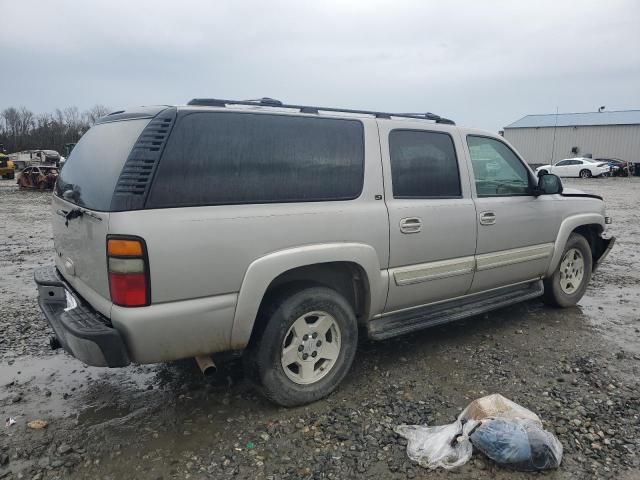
(576, 167)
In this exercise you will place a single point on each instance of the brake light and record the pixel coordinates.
(128, 268)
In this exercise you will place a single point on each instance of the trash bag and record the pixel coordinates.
(521, 444)
(446, 446)
(496, 406)
(504, 431)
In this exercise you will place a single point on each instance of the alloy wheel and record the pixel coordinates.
(310, 347)
(571, 271)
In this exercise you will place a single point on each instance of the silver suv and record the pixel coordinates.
(284, 232)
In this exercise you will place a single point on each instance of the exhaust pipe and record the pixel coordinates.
(207, 367)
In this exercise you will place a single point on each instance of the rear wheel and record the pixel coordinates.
(585, 173)
(569, 281)
(305, 347)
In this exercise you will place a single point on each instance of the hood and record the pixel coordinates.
(572, 191)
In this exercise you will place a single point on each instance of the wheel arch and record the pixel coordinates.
(590, 225)
(353, 269)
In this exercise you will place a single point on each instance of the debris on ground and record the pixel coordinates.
(38, 424)
(10, 421)
(502, 430)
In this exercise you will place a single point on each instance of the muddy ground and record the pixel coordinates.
(577, 368)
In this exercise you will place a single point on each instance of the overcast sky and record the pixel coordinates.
(484, 64)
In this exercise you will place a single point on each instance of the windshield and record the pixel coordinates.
(91, 172)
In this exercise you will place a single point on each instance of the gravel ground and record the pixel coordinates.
(576, 368)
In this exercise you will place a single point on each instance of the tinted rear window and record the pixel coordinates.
(90, 173)
(423, 165)
(234, 158)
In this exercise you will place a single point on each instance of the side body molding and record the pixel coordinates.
(264, 270)
(568, 225)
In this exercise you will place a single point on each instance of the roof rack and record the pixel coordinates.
(271, 102)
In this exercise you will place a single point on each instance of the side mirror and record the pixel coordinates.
(549, 184)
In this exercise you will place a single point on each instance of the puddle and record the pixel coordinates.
(60, 386)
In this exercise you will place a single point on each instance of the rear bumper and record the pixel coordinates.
(82, 332)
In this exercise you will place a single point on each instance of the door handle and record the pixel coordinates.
(410, 225)
(487, 218)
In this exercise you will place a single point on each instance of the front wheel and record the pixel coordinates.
(585, 173)
(306, 345)
(569, 281)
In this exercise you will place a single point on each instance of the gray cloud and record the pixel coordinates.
(485, 64)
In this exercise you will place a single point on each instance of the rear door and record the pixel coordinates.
(431, 213)
(86, 185)
(516, 230)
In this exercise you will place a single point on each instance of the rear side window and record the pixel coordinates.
(423, 165)
(89, 175)
(233, 158)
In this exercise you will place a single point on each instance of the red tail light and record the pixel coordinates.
(128, 271)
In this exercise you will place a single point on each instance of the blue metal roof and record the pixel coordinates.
(623, 117)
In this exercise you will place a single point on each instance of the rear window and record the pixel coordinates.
(235, 158)
(89, 175)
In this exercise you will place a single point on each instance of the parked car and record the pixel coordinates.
(41, 177)
(284, 231)
(7, 169)
(576, 167)
(619, 167)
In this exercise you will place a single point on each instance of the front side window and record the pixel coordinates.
(423, 165)
(216, 158)
(497, 170)
(562, 163)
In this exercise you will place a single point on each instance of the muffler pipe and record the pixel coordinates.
(207, 367)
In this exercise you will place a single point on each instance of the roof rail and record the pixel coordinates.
(271, 102)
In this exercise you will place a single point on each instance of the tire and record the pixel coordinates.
(542, 172)
(563, 292)
(585, 173)
(309, 309)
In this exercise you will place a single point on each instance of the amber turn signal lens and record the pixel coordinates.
(124, 248)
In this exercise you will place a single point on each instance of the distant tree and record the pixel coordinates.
(94, 113)
(21, 129)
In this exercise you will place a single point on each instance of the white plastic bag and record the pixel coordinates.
(446, 446)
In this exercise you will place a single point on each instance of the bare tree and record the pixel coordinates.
(21, 129)
(94, 113)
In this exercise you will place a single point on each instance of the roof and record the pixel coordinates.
(622, 117)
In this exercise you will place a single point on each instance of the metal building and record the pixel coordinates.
(544, 139)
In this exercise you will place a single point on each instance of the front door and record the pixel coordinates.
(516, 230)
(561, 168)
(431, 214)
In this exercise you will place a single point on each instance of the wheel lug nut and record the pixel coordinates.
(305, 337)
(314, 353)
(314, 334)
(300, 348)
(305, 356)
(318, 343)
